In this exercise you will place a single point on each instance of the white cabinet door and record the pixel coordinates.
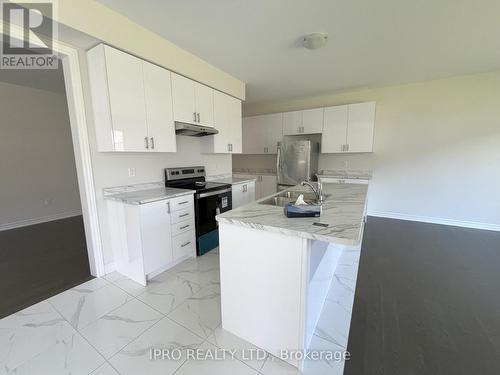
(272, 130)
(243, 194)
(126, 99)
(292, 123)
(234, 118)
(268, 185)
(251, 136)
(156, 236)
(250, 193)
(360, 127)
(183, 98)
(312, 121)
(204, 103)
(159, 113)
(261, 134)
(237, 195)
(227, 120)
(334, 137)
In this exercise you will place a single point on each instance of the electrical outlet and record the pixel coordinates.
(48, 201)
(131, 172)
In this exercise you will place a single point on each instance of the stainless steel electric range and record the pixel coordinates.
(210, 199)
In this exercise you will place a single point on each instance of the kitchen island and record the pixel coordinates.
(276, 271)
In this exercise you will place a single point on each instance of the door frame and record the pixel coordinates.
(81, 147)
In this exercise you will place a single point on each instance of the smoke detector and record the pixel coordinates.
(315, 40)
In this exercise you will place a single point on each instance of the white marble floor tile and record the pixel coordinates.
(70, 356)
(92, 285)
(209, 278)
(169, 293)
(275, 366)
(333, 324)
(29, 332)
(116, 329)
(130, 286)
(105, 369)
(244, 351)
(113, 276)
(135, 358)
(200, 313)
(81, 306)
(332, 364)
(229, 366)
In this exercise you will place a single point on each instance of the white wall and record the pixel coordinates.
(37, 165)
(437, 148)
(111, 169)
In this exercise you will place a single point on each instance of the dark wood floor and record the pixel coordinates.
(39, 261)
(427, 301)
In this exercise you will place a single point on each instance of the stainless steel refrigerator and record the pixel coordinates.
(297, 161)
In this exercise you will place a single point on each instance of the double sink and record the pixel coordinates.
(285, 197)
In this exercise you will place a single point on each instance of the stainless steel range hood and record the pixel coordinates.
(191, 130)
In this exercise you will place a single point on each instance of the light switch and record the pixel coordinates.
(131, 172)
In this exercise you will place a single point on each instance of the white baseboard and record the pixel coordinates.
(436, 220)
(39, 220)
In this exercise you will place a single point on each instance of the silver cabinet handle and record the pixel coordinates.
(152, 143)
(199, 117)
(184, 227)
(186, 214)
(183, 202)
(168, 207)
(185, 244)
(228, 147)
(194, 115)
(146, 142)
(231, 147)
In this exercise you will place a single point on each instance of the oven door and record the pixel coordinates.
(208, 205)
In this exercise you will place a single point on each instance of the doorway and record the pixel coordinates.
(43, 248)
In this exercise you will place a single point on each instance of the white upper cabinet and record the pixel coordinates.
(292, 122)
(308, 121)
(261, 134)
(334, 137)
(183, 99)
(360, 127)
(312, 121)
(159, 113)
(204, 96)
(193, 102)
(126, 101)
(131, 100)
(348, 128)
(227, 120)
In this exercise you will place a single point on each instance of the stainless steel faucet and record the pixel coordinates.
(318, 190)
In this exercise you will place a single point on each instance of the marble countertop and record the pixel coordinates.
(234, 180)
(256, 171)
(343, 210)
(348, 174)
(142, 194)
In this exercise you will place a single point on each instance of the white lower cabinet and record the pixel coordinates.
(150, 238)
(264, 184)
(243, 193)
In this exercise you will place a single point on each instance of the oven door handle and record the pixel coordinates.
(209, 194)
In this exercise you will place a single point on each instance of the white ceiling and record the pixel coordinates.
(371, 43)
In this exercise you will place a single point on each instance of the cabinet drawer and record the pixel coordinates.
(184, 244)
(181, 203)
(184, 215)
(182, 227)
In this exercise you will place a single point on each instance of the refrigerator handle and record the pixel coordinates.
(278, 161)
